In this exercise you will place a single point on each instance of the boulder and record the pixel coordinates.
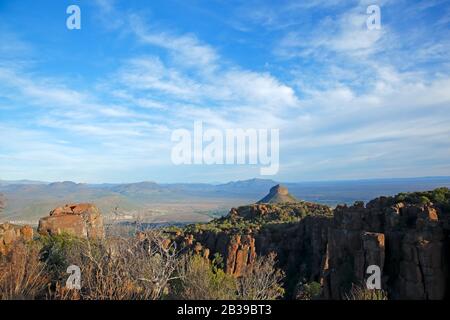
(9, 234)
(82, 220)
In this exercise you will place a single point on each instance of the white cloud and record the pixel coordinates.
(279, 15)
(186, 50)
(346, 35)
(357, 110)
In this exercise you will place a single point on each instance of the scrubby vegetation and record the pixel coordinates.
(198, 279)
(155, 266)
(113, 269)
(128, 268)
(262, 281)
(439, 197)
(362, 293)
(308, 290)
(253, 217)
(23, 274)
(201, 279)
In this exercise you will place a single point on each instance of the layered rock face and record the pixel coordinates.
(82, 220)
(9, 234)
(248, 236)
(409, 242)
(239, 251)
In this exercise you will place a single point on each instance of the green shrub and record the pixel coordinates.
(440, 197)
(309, 291)
(199, 279)
(424, 200)
(57, 250)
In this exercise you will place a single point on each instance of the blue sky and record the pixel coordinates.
(99, 104)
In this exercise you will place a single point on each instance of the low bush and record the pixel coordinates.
(150, 267)
(263, 281)
(308, 290)
(23, 275)
(362, 293)
(200, 279)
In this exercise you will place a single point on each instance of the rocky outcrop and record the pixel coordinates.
(278, 194)
(290, 241)
(10, 234)
(240, 254)
(407, 240)
(82, 220)
(282, 212)
(237, 250)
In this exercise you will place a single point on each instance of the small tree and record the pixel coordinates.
(201, 279)
(121, 269)
(308, 290)
(263, 281)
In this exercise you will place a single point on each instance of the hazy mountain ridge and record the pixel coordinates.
(29, 200)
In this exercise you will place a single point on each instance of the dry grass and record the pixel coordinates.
(147, 267)
(22, 274)
(122, 269)
(201, 279)
(362, 293)
(263, 281)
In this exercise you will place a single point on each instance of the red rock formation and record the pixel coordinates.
(240, 254)
(189, 240)
(201, 250)
(239, 251)
(409, 242)
(406, 241)
(9, 234)
(82, 220)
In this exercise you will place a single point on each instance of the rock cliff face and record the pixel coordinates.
(82, 220)
(9, 234)
(238, 250)
(409, 241)
(292, 230)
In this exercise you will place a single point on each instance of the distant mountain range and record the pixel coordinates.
(27, 201)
